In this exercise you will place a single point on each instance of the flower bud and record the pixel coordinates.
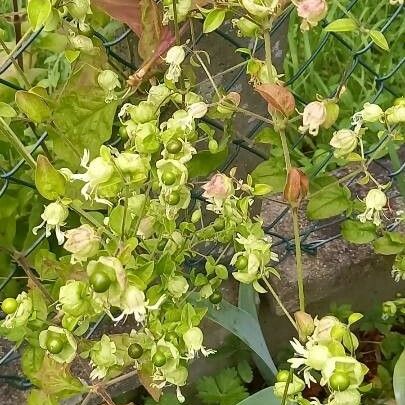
(311, 11)
(220, 187)
(132, 163)
(305, 324)
(83, 242)
(55, 214)
(81, 43)
(344, 141)
(313, 117)
(371, 112)
(395, 114)
(389, 309)
(193, 339)
(78, 8)
(196, 216)
(296, 187)
(177, 286)
(144, 112)
(197, 110)
(108, 80)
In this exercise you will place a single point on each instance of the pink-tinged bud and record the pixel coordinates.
(311, 11)
(305, 324)
(219, 187)
(296, 187)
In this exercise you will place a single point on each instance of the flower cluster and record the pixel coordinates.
(327, 358)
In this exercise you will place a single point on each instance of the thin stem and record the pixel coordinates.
(278, 300)
(91, 219)
(208, 75)
(16, 143)
(287, 384)
(267, 49)
(121, 378)
(178, 42)
(22, 262)
(286, 151)
(17, 66)
(298, 259)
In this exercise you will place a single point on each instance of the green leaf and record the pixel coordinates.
(223, 389)
(214, 20)
(245, 371)
(33, 106)
(38, 12)
(329, 202)
(82, 117)
(31, 362)
(354, 317)
(358, 232)
(399, 379)
(242, 324)
(342, 25)
(262, 397)
(269, 136)
(379, 39)
(271, 172)
(204, 163)
(49, 182)
(262, 189)
(38, 397)
(46, 264)
(391, 243)
(7, 111)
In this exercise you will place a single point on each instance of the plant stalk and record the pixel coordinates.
(16, 143)
(298, 259)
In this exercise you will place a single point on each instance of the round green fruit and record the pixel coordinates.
(241, 263)
(159, 359)
(216, 297)
(174, 146)
(283, 376)
(168, 178)
(55, 344)
(100, 281)
(173, 198)
(339, 381)
(9, 306)
(135, 351)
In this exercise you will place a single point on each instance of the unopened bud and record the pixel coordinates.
(296, 187)
(305, 324)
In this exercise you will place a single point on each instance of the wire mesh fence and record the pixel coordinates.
(357, 60)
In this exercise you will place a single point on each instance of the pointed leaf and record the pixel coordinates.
(214, 20)
(342, 25)
(33, 106)
(379, 39)
(49, 182)
(399, 380)
(38, 12)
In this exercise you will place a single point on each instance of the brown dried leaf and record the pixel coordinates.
(279, 98)
(147, 381)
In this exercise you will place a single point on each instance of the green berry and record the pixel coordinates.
(100, 281)
(168, 178)
(216, 297)
(219, 224)
(283, 376)
(174, 146)
(135, 351)
(339, 381)
(159, 359)
(55, 344)
(9, 306)
(173, 198)
(241, 262)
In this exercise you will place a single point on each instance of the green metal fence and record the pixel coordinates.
(356, 61)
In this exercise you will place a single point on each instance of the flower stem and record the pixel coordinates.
(267, 49)
(279, 302)
(298, 259)
(17, 144)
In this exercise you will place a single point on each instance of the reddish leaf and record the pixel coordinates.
(279, 98)
(126, 11)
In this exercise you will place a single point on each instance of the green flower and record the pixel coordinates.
(175, 169)
(175, 200)
(68, 351)
(351, 367)
(375, 202)
(174, 58)
(103, 356)
(296, 386)
(75, 298)
(344, 141)
(133, 165)
(193, 339)
(348, 397)
(177, 286)
(22, 314)
(108, 81)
